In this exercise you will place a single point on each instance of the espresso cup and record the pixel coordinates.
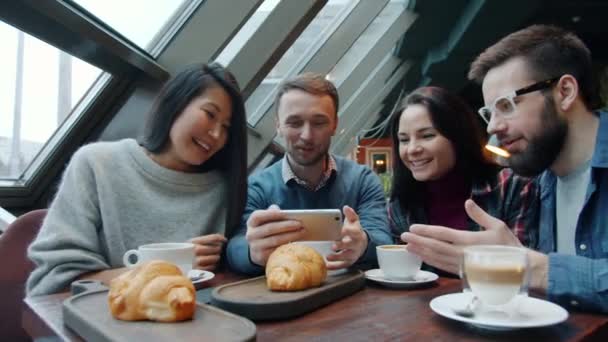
(324, 249)
(495, 274)
(397, 263)
(178, 253)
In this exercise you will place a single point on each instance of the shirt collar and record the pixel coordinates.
(600, 154)
(289, 175)
(599, 159)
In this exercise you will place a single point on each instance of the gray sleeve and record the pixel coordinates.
(238, 248)
(68, 242)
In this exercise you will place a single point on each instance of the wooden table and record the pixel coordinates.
(375, 313)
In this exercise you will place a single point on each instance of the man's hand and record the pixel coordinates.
(353, 243)
(207, 251)
(269, 229)
(441, 247)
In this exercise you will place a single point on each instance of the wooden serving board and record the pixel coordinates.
(88, 314)
(251, 298)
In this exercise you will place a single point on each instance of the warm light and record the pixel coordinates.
(494, 146)
(380, 162)
(498, 151)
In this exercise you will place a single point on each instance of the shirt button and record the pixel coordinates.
(583, 247)
(574, 303)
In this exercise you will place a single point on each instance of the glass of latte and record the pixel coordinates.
(495, 274)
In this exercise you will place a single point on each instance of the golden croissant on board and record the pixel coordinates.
(294, 267)
(156, 291)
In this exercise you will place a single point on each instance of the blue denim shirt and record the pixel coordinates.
(580, 281)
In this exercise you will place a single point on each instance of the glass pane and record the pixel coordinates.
(39, 87)
(140, 21)
(256, 19)
(302, 50)
(365, 42)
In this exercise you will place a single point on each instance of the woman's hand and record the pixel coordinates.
(207, 251)
(442, 247)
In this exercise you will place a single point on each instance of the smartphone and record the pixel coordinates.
(320, 224)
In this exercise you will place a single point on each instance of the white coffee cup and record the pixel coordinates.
(397, 263)
(323, 248)
(178, 253)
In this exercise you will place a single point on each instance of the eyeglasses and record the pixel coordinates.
(505, 105)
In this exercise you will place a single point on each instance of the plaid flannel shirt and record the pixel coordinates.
(510, 198)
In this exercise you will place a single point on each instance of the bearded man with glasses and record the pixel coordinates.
(539, 95)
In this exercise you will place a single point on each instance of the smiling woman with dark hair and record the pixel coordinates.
(185, 179)
(439, 164)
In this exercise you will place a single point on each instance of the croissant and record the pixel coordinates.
(294, 267)
(156, 291)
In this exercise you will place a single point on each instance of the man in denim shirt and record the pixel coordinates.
(538, 90)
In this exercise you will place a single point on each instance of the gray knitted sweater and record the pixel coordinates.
(113, 198)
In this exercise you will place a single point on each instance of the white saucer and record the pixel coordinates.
(204, 276)
(422, 277)
(531, 312)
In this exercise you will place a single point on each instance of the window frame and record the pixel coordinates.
(62, 25)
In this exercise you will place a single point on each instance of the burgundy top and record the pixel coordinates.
(445, 201)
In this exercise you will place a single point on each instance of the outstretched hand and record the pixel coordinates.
(442, 247)
(207, 250)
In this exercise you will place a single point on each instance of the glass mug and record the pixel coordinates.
(496, 275)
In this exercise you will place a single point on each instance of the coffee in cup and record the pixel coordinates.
(495, 274)
(178, 253)
(397, 263)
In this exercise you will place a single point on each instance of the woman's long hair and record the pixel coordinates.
(456, 121)
(231, 160)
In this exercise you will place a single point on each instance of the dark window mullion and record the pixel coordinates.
(62, 25)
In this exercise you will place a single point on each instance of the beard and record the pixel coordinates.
(544, 148)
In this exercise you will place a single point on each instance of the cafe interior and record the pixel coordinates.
(81, 71)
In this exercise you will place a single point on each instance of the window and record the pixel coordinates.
(256, 19)
(39, 89)
(143, 22)
(366, 41)
(294, 59)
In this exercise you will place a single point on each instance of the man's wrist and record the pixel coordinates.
(251, 259)
(365, 246)
(539, 270)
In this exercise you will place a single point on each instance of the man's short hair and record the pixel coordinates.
(549, 51)
(312, 83)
